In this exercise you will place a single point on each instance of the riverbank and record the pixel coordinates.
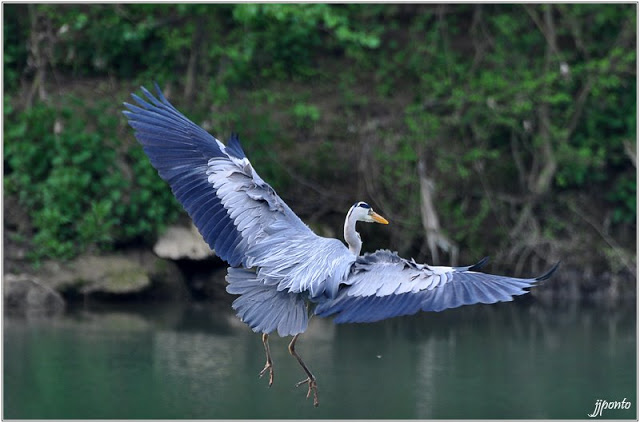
(181, 268)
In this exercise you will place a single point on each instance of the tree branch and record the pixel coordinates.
(615, 247)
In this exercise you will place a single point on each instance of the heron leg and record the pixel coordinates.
(269, 364)
(310, 380)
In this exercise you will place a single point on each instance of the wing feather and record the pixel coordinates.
(264, 308)
(189, 190)
(402, 287)
(236, 211)
(478, 292)
(211, 221)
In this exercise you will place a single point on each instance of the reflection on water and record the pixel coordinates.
(193, 361)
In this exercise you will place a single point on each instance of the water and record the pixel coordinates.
(198, 362)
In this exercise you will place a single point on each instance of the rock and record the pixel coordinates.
(130, 272)
(110, 274)
(26, 293)
(181, 242)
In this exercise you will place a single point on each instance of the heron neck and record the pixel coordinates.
(351, 236)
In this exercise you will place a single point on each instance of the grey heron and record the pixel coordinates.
(281, 271)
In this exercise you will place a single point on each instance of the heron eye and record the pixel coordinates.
(364, 205)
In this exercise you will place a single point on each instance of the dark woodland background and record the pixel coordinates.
(502, 130)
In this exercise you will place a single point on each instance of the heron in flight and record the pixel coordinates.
(281, 271)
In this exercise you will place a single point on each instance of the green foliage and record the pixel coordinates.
(624, 198)
(305, 115)
(146, 41)
(15, 49)
(504, 97)
(71, 181)
(506, 104)
(283, 39)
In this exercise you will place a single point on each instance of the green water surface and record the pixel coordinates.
(139, 361)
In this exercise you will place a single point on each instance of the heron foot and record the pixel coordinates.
(313, 386)
(268, 366)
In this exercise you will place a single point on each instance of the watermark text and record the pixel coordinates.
(602, 405)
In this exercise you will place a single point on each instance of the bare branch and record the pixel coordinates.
(615, 247)
(547, 31)
(436, 239)
(631, 151)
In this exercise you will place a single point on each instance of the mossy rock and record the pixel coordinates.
(110, 274)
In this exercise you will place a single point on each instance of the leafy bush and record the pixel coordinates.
(283, 39)
(526, 116)
(74, 184)
(305, 115)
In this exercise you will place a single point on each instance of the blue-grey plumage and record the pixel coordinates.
(280, 270)
(238, 214)
(383, 285)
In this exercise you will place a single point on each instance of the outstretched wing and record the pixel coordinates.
(238, 214)
(383, 285)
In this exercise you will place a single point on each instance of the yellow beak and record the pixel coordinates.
(375, 216)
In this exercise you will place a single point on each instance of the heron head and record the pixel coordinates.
(363, 212)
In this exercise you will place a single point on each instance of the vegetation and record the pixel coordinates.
(523, 115)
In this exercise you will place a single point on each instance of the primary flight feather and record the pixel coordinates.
(282, 272)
